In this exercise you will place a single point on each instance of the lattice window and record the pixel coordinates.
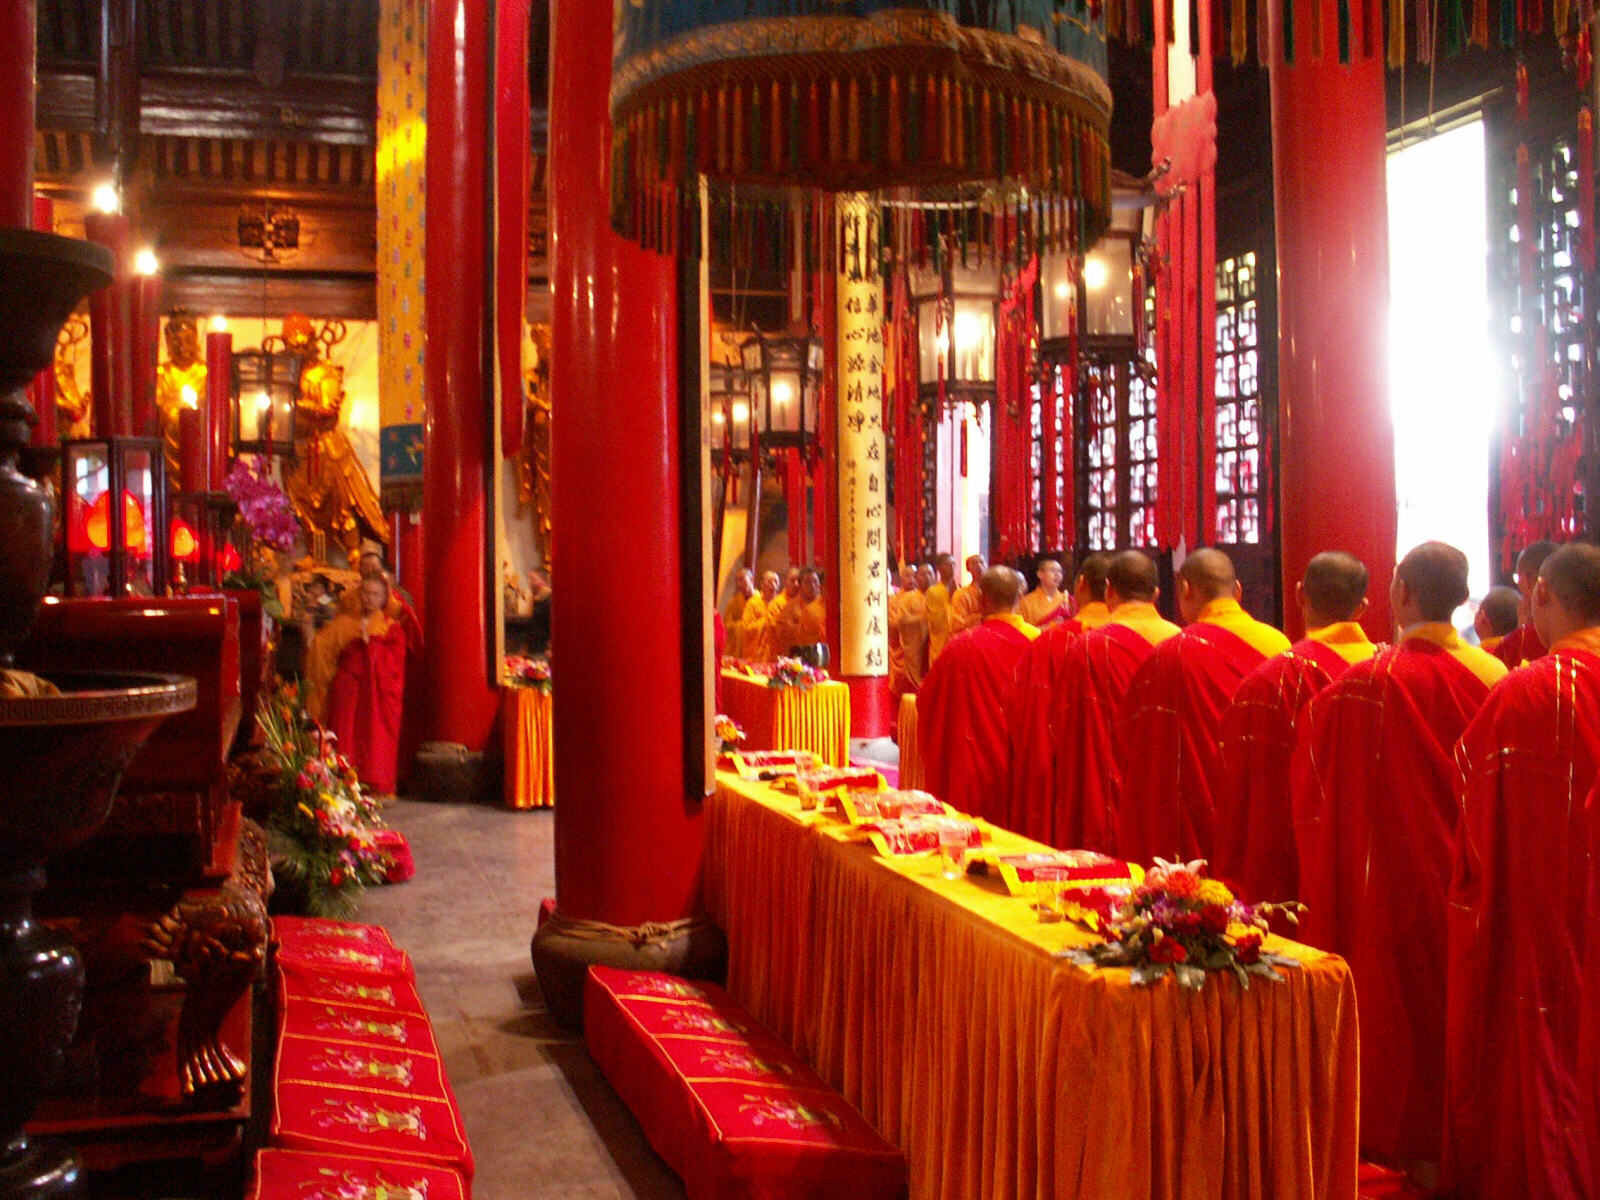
(1240, 479)
(1141, 458)
(1099, 507)
(1052, 459)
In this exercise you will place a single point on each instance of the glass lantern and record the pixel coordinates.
(265, 388)
(200, 539)
(730, 412)
(1096, 297)
(115, 529)
(785, 379)
(956, 325)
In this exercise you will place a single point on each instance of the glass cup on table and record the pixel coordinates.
(952, 851)
(1050, 893)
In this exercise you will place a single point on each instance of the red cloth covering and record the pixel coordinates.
(1375, 820)
(1521, 645)
(338, 947)
(1167, 743)
(1253, 843)
(366, 700)
(356, 1025)
(1030, 796)
(307, 1175)
(316, 1062)
(386, 995)
(1521, 923)
(961, 716)
(728, 1106)
(1094, 677)
(402, 866)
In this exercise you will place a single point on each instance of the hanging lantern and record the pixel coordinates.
(730, 412)
(1098, 297)
(115, 530)
(201, 533)
(860, 97)
(956, 328)
(265, 388)
(785, 379)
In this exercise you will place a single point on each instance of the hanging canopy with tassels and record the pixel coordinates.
(865, 96)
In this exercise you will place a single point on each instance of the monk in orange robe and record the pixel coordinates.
(908, 632)
(1172, 715)
(1522, 920)
(1496, 619)
(1095, 676)
(961, 708)
(1046, 606)
(366, 695)
(1375, 822)
(937, 598)
(966, 603)
(756, 621)
(1253, 843)
(1031, 737)
(1523, 643)
(744, 587)
(803, 620)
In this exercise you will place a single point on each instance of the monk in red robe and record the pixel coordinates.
(1095, 676)
(1523, 643)
(1031, 736)
(1521, 918)
(1497, 618)
(960, 710)
(365, 700)
(1253, 845)
(1172, 715)
(1375, 822)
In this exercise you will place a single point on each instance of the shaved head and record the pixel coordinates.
(1000, 589)
(1092, 576)
(1435, 576)
(1209, 573)
(1050, 573)
(1572, 577)
(1335, 588)
(1501, 611)
(1132, 576)
(1531, 560)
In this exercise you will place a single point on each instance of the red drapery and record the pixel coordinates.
(1011, 498)
(906, 422)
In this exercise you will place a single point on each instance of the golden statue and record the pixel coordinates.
(327, 485)
(180, 382)
(72, 404)
(533, 460)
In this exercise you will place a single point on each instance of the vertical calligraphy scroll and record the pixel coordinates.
(863, 491)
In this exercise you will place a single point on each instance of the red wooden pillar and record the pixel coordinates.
(18, 51)
(627, 840)
(1337, 437)
(459, 696)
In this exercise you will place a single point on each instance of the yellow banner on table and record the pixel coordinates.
(863, 487)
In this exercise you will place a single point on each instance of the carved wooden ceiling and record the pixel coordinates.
(204, 109)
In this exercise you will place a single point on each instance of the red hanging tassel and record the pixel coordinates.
(1586, 188)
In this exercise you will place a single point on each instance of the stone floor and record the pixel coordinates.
(541, 1120)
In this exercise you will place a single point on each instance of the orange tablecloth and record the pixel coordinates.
(906, 739)
(530, 762)
(938, 1010)
(790, 718)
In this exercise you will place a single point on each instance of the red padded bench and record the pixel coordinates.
(729, 1107)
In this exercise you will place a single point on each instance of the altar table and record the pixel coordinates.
(791, 718)
(938, 1010)
(905, 736)
(530, 762)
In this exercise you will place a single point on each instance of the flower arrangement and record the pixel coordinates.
(791, 672)
(518, 671)
(729, 735)
(322, 827)
(1179, 922)
(266, 510)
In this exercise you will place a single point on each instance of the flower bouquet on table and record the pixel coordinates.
(518, 671)
(323, 828)
(791, 672)
(1179, 922)
(729, 735)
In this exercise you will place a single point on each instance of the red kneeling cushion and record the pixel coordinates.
(327, 947)
(384, 995)
(723, 1101)
(308, 1175)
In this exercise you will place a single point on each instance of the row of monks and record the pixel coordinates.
(761, 623)
(1435, 806)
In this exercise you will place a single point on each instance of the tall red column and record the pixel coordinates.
(627, 839)
(18, 50)
(459, 697)
(1336, 434)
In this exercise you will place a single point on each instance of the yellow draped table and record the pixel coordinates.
(530, 762)
(815, 719)
(906, 738)
(938, 1009)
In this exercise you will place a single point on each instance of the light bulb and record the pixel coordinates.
(263, 401)
(145, 262)
(190, 398)
(1063, 290)
(741, 412)
(1095, 274)
(219, 324)
(969, 330)
(105, 198)
(782, 392)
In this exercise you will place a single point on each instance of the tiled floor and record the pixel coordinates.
(541, 1120)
